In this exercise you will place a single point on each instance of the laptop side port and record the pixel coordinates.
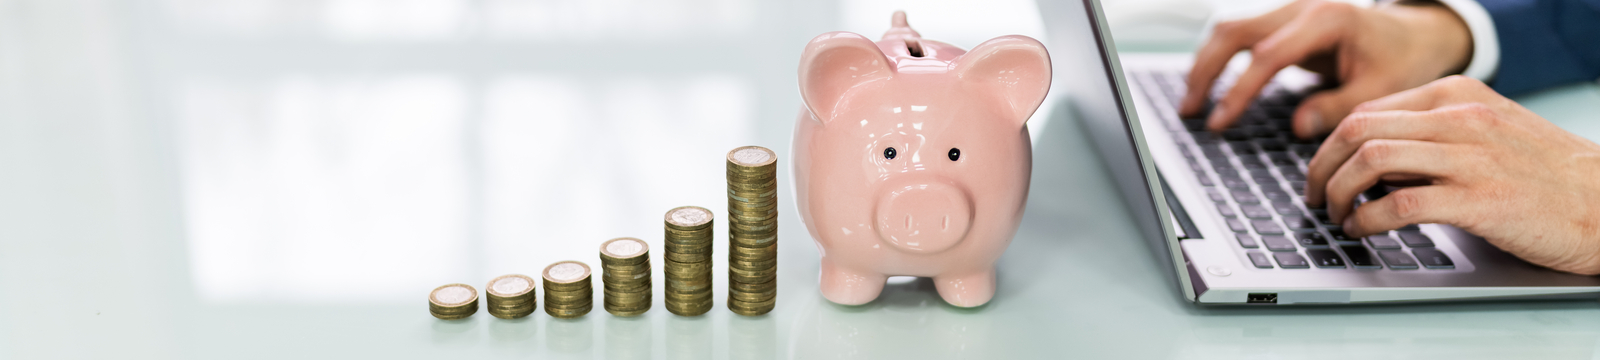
(1261, 298)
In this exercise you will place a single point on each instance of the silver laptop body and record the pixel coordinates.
(1223, 210)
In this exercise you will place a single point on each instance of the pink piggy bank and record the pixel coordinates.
(912, 157)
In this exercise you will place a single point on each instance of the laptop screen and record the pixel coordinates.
(1089, 86)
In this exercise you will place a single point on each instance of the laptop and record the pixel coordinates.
(1225, 210)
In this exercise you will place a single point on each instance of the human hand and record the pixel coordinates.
(1487, 165)
(1369, 52)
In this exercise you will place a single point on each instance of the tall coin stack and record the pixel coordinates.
(511, 296)
(454, 301)
(625, 268)
(688, 266)
(752, 230)
(567, 290)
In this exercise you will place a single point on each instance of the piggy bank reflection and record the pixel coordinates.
(911, 157)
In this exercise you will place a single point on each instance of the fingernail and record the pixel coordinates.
(1215, 120)
(1313, 123)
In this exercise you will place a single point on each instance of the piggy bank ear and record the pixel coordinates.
(1014, 70)
(833, 64)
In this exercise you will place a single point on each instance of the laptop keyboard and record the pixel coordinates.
(1254, 174)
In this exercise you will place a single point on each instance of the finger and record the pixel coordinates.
(1321, 112)
(1312, 32)
(1450, 90)
(1227, 39)
(1412, 205)
(1380, 157)
(1359, 128)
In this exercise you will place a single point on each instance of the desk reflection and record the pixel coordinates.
(629, 338)
(908, 320)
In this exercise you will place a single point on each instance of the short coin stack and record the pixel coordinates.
(752, 230)
(454, 301)
(688, 266)
(511, 296)
(567, 289)
(625, 267)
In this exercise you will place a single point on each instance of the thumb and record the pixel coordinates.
(1321, 112)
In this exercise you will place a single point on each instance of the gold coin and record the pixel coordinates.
(752, 287)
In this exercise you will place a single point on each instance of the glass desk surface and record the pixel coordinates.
(253, 179)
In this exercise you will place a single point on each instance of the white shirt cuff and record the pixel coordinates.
(1485, 42)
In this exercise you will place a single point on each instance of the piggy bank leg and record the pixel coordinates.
(845, 286)
(966, 289)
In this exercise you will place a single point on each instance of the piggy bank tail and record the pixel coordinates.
(899, 29)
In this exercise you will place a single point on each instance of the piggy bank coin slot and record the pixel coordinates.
(914, 46)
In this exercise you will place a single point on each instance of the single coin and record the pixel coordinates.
(453, 295)
(689, 217)
(566, 272)
(624, 250)
(512, 285)
(752, 156)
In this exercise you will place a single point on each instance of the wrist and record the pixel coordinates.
(1435, 30)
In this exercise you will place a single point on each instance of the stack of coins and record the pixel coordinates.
(625, 267)
(511, 296)
(454, 301)
(752, 230)
(688, 265)
(567, 290)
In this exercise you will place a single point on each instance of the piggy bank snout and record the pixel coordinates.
(923, 218)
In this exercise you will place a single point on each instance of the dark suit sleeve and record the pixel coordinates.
(1544, 43)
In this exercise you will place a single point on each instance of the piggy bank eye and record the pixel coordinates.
(889, 153)
(955, 154)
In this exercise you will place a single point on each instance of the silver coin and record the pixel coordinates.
(454, 295)
(567, 272)
(625, 248)
(752, 156)
(512, 285)
(689, 216)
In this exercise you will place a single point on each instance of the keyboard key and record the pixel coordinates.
(1338, 234)
(1225, 168)
(1213, 151)
(1412, 227)
(1259, 260)
(1266, 226)
(1382, 242)
(1273, 145)
(1288, 170)
(1244, 149)
(1277, 243)
(1310, 238)
(1289, 260)
(1325, 258)
(1251, 162)
(1273, 193)
(1397, 260)
(1216, 196)
(1235, 135)
(1205, 180)
(1304, 151)
(1299, 187)
(1202, 136)
(1281, 160)
(1360, 258)
(1227, 211)
(1236, 225)
(1255, 211)
(1235, 183)
(1415, 239)
(1302, 223)
(1245, 240)
(1294, 176)
(1244, 196)
(1286, 208)
(1433, 258)
(1322, 217)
